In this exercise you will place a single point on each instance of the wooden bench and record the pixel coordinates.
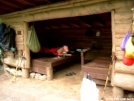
(98, 69)
(45, 65)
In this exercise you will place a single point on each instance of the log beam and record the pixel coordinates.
(71, 11)
(121, 68)
(124, 81)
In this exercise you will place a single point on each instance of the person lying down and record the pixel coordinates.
(58, 51)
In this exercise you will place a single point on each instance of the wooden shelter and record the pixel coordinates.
(71, 19)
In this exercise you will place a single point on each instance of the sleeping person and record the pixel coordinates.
(55, 51)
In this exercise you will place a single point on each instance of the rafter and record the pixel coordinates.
(13, 4)
(86, 21)
(93, 20)
(106, 17)
(79, 22)
(48, 1)
(59, 23)
(98, 19)
(30, 2)
(69, 23)
(48, 24)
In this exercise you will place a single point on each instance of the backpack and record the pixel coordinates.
(2, 29)
(32, 40)
(8, 40)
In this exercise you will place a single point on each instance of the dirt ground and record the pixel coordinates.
(61, 88)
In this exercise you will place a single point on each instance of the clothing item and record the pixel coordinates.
(49, 50)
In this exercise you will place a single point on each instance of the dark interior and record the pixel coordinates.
(77, 32)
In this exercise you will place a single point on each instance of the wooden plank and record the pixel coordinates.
(99, 76)
(66, 59)
(39, 69)
(101, 82)
(95, 69)
(41, 61)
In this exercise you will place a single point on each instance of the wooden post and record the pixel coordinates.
(82, 62)
(4, 67)
(113, 47)
(25, 73)
(25, 70)
(118, 92)
(82, 58)
(49, 73)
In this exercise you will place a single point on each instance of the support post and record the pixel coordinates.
(25, 70)
(25, 73)
(118, 92)
(4, 67)
(113, 47)
(49, 73)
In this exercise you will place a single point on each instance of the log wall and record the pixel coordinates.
(123, 75)
(123, 19)
(20, 39)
